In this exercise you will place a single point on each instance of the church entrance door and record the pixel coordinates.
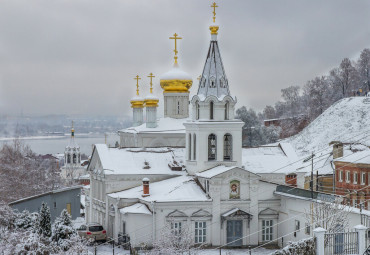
(234, 233)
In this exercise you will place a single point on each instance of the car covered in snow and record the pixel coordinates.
(94, 231)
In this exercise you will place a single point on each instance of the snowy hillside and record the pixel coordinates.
(348, 120)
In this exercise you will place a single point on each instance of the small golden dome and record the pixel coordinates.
(137, 102)
(176, 81)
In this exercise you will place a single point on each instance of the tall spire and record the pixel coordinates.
(213, 81)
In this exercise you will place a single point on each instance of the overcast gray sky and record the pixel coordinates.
(80, 56)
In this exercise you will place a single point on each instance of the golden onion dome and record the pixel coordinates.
(137, 102)
(151, 101)
(176, 81)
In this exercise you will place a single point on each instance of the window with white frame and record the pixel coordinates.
(176, 228)
(341, 175)
(363, 178)
(267, 230)
(200, 231)
(348, 177)
(355, 177)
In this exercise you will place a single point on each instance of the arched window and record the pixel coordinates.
(78, 158)
(74, 158)
(197, 110)
(227, 110)
(194, 146)
(69, 158)
(211, 110)
(228, 147)
(189, 157)
(212, 147)
(178, 107)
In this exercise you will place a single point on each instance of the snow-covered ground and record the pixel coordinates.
(348, 120)
(107, 250)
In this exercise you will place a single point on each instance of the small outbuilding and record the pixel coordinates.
(57, 200)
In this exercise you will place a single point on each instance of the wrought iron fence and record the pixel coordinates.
(341, 243)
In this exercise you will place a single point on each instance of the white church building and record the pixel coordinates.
(191, 170)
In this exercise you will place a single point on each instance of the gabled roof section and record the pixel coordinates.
(136, 161)
(177, 189)
(213, 81)
(218, 170)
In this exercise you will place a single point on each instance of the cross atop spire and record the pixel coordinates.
(175, 37)
(214, 6)
(137, 78)
(151, 76)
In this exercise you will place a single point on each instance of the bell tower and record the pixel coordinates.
(213, 136)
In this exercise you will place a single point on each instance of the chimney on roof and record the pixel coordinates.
(145, 187)
(337, 149)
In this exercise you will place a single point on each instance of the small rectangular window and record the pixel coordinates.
(267, 230)
(348, 177)
(363, 178)
(55, 205)
(297, 226)
(341, 175)
(355, 178)
(200, 232)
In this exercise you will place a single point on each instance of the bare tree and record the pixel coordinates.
(175, 241)
(363, 67)
(322, 215)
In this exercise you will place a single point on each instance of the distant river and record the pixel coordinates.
(56, 144)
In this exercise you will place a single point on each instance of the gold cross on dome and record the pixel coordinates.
(175, 37)
(137, 78)
(151, 76)
(214, 6)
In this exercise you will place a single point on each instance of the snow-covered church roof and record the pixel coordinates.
(280, 158)
(177, 189)
(164, 125)
(150, 161)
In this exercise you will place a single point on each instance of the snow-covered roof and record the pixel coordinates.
(214, 171)
(271, 159)
(137, 208)
(361, 157)
(140, 160)
(177, 189)
(175, 74)
(348, 120)
(230, 212)
(164, 125)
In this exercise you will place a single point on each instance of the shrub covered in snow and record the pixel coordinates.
(302, 247)
(63, 230)
(44, 221)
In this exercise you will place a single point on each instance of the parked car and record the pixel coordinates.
(93, 231)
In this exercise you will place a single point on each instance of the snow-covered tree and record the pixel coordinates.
(175, 241)
(345, 78)
(7, 216)
(322, 215)
(63, 230)
(363, 67)
(44, 221)
(23, 173)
